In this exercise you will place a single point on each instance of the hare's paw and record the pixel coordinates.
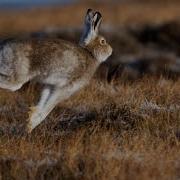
(32, 111)
(29, 127)
(33, 117)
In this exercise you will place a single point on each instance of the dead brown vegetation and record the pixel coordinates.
(114, 129)
(98, 133)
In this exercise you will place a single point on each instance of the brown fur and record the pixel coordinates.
(63, 67)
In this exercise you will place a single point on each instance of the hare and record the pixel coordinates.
(61, 66)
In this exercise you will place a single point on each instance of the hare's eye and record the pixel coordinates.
(103, 41)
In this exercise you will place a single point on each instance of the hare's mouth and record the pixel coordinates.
(101, 57)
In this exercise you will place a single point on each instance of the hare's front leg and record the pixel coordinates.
(49, 99)
(36, 113)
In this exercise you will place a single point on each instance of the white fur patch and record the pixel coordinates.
(44, 96)
(90, 37)
(11, 87)
(102, 56)
(6, 60)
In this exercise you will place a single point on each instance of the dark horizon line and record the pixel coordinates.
(19, 5)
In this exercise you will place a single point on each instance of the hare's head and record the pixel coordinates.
(91, 40)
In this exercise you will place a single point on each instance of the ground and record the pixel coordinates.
(114, 128)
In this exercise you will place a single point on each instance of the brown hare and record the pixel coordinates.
(61, 66)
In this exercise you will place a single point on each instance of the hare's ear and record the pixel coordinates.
(91, 27)
(97, 22)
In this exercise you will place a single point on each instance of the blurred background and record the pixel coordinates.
(114, 130)
(35, 15)
(144, 34)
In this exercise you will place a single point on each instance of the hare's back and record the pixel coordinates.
(59, 60)
(57, 55)
(49, 59)
(14, 56)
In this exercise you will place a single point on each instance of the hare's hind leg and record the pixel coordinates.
(6, 84)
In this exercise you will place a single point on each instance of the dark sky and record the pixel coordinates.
(16, 3)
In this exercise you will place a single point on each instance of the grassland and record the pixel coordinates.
(117, 130)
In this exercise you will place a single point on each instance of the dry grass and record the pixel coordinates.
(99, 133)
(114, 15)
(123, 130)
